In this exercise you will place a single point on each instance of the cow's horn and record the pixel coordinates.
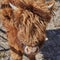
(12, 6)
(50, 6)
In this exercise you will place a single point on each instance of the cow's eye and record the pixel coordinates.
(7, 17)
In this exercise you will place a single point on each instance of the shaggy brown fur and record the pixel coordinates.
(26, 25)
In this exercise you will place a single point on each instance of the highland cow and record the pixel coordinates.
(26, 22)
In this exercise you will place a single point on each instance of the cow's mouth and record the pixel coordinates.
(30, 50)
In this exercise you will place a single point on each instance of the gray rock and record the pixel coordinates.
(58, 58)
(55, 21)
(51, 47)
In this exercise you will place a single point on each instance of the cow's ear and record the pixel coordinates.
(4, 18)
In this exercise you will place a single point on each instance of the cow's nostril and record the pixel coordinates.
(36, 41)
